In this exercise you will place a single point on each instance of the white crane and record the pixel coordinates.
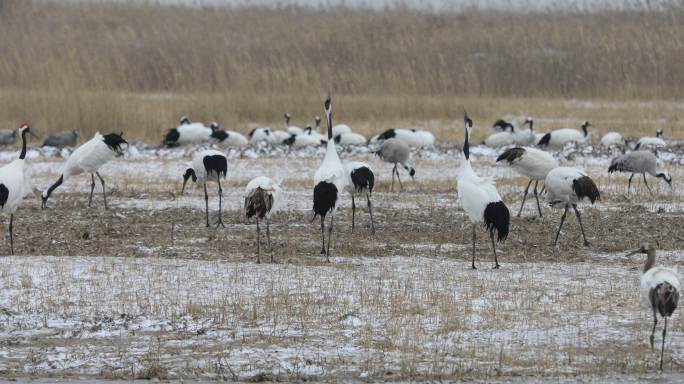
(652, 142)
(291, 129)
(659, 291)
(480, 199)
(227, 138)
(502, 125)
(262, 199)
(500, 139)
(350, 138)
(412, 137)
(567, 186)
(525, 136)
(302, 140)
(89, 157)
(14, 184)
(257, 135)
(360, 181)
(639, 162)
(187, 133)
(532, 163)
(339, 129)
(560, 137)
(611, 139)
(208, 165)
(396, 151)
(329, 181)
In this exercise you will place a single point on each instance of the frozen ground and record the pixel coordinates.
(144, 290)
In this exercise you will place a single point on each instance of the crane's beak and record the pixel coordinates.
(633, 253)
(185, 181)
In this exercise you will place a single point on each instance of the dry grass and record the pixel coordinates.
(137, 68)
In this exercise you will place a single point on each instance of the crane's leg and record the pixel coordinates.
(394, 170)
(370, 211)
(662, 349)
(220, 221)
(332, 217)
(536, 196)
(258, 242)
(323, 235)
(92, 189)
(655, 322)
(646, 182)
(474, 247)
(206, 203)
(629, 183)
(496, 261)
(11, 227)
(524, 197)
(579, 218)
(268, 236)
(565, 212)
(401, 187)
(353, 212)
(104, 191)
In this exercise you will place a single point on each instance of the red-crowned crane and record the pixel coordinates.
(659, 291)
(560, 137)
(567, 186)
(262, 198)
(360, 182)
(187, 132)
(532, 163)
(14, 184)
(208, 165)
(480, 199)
(89, 157)
(329, 181)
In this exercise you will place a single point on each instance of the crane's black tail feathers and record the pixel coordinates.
(258, 203)
(324, 199)
(497, 217)
(585, 187)
(511, 154)
(363, 178)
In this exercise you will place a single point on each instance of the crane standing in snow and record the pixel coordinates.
(208, 165)
(89, 157)
(639, 162)
(480, 199)
(659, 291)
(329, 181)
(360, 181)
(14, 184)
(263, 197)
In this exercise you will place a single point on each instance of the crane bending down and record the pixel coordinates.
(659, 291)
(208, 165)
(480, 199)
(89, 157)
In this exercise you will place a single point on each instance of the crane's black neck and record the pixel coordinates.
(329, 117)
(466, 145)
(22, 155)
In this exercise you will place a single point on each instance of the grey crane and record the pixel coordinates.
(8, 136)
(62, 139)
(638, 162)
(397, 152)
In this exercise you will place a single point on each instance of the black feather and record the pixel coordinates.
(545, 140)
(4, 195)
(219, 135)
(511, 154)
(388, 134)
(114, 141)
(363, 177)
(216, 164)
(585, 187)
(251, 133)
(664, 297)
(497, 217)
(324, 199)
(171, 138)
(258, 203)
(290, 140)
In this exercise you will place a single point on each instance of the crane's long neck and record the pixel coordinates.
(584, 129)
(466, 146)
(650, 260)
(22, 155)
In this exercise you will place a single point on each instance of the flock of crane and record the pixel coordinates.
(478, 196)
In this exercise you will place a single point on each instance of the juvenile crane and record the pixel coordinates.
(638, 162)
(659, 291)
(90, 157)
(480, 199)
(396, 151)
(14, 184)
(329, 181)
(533, 163)
(360, 181)
(567, 186)
(262, 199)
(208, 165)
